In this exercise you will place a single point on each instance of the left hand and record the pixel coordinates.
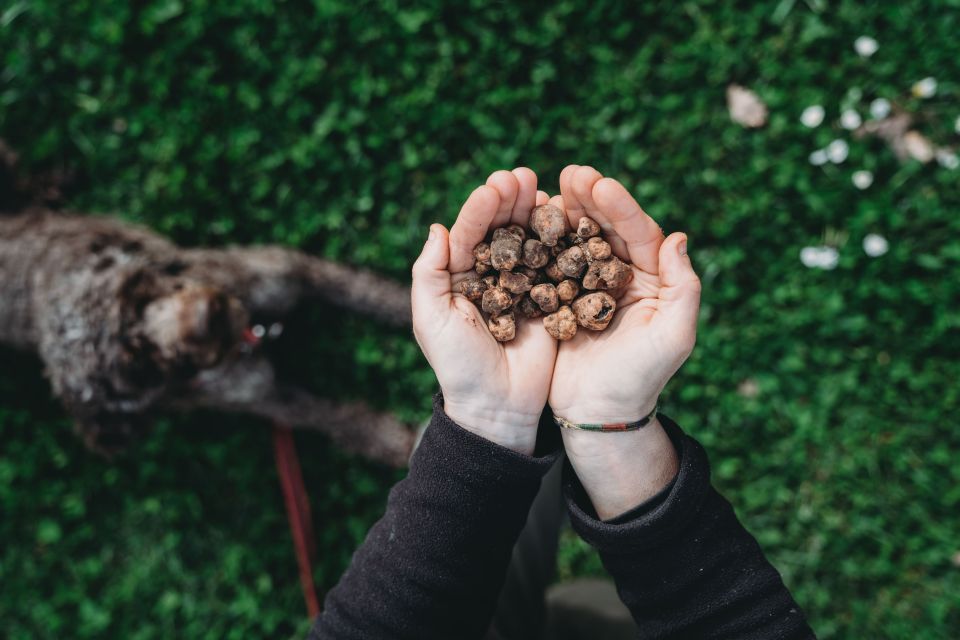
(617, 375)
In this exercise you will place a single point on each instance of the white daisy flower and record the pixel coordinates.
(819, 257)
(850, 119)
(862, 179)
(879, 108)
(812, 116)
(947, 159)
(837, 151)
(748, 388)
(875, 245)
(819, 158)
(866, 46)
(926, 88)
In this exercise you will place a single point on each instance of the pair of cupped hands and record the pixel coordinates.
(498, 390)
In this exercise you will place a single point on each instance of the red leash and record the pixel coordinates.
(298, 512)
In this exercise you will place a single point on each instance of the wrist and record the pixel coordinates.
(621, 470)
(514, 429)
(605, 412)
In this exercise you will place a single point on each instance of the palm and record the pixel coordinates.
(595, 364)
(617, 374)
(519, 370)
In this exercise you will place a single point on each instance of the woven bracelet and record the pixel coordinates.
(609, 427)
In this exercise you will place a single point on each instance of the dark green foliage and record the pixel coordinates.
(346, 128)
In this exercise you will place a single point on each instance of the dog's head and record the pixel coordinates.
(176, 325)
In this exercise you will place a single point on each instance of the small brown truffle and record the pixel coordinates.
(594, 310)
(505, 250)
(587, 228)
(518, 231)
(473, 289)
(567, 291)
(562, 324)
(490, 280)
(503, 327)
(528, 308)
(553, 272)
(535, 254)
(481, 253)
(496, 300)
(572, 261)
(549, 223)
(545, 295)
(597, 249)
(611, 273)
(530, 273)
(515, 282)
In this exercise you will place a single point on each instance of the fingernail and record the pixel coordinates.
(432, 236)
(682, 248)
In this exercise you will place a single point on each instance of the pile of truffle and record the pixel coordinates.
(562, 277)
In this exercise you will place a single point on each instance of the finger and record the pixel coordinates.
(571, 205)
(679, 302)
(557, 201)
(526, 196)
(582, 184)
(639, 231)
(430, 292)
(542, 198)
(471, 226)
(508, 187)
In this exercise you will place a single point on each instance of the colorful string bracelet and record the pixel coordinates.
(608, 427)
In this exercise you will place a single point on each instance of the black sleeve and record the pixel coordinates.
(685, 566)
(433, 566)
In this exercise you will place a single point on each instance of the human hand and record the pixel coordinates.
(616, 375)
(494, 389)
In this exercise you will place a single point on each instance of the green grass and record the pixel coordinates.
(345, 128)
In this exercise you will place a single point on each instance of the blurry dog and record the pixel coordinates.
(126, 322)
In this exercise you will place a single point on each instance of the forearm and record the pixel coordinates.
(433, 565)
(686, 567)
(621, 470)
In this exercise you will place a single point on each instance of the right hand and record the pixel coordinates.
(616, 375)
(495, 390)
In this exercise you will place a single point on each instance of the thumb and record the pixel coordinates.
(679, 292)
(430, 293)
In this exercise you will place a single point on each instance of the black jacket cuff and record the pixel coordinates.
(473, 459)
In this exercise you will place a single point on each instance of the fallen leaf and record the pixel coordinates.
(746, 107)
